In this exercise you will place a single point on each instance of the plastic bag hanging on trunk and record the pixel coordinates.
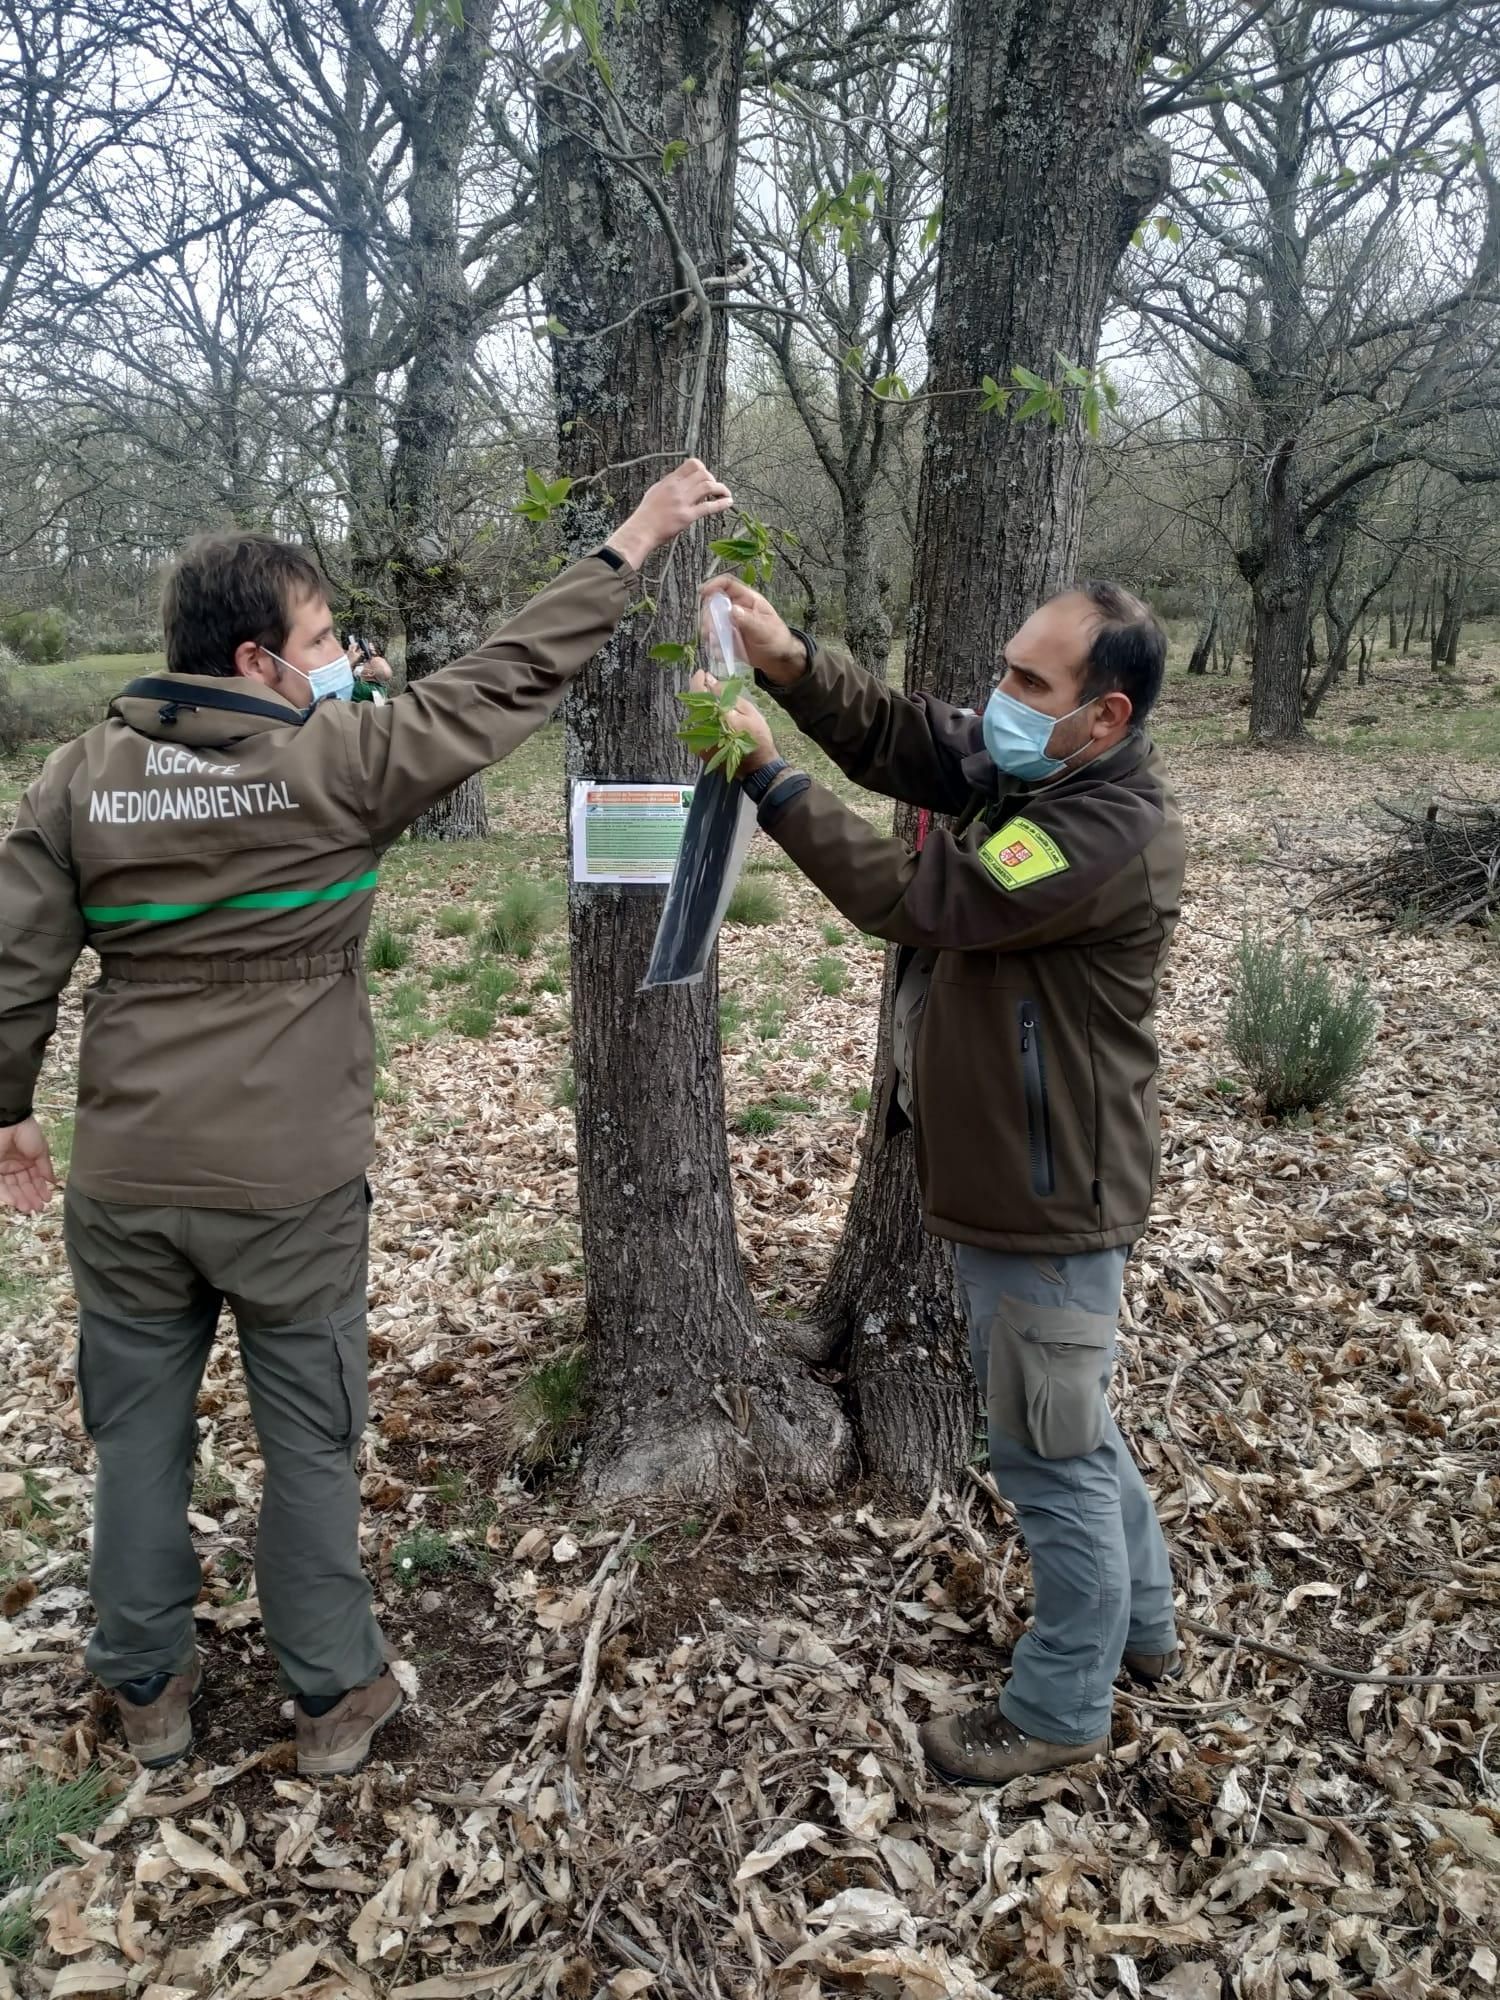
(720, 825)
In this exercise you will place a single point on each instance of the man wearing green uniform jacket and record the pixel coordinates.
(215, 841)
(1033, 937)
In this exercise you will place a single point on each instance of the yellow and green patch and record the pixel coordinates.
(1020, 854)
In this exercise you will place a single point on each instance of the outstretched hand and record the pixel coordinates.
(688, 494)
(27, 1181)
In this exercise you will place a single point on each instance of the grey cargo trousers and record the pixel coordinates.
(150, 1283)
(1042, 1339)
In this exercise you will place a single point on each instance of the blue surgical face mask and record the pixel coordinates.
(335, 682)
(1017, 737)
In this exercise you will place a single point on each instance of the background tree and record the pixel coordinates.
(1327, 140)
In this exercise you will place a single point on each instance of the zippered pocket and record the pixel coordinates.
(1038, 1120)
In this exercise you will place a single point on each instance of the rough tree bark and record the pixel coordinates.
(1045, 179)
(693, 1398)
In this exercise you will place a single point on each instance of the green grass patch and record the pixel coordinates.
(34, 1816)
(524, 913)
(473, 1021)
(548, 1409)
(754, 902)
(829, 975)
(457, 920)
(859, 1100)
(490, 983)
(732, 1014)
(387, 952)
(565, 1088)
(756, 1121)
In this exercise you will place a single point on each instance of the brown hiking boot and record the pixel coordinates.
(159, 1729)
(333, 1745)
(1149, 1668)
(980, 1747)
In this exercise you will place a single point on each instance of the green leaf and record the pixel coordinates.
(1038, 400)
(893, 386)
(421, 14)
(673, 154)
(1026, 378)
(1057, 409)
(854, 359)
(1163, 224)
(1111, 393)
(454, 9)
(559, 490)
(1091, 411)
(736, 548)
(1138, 236)
(992, 396)
(688, 85)
(670, 653)
(930, 228)
(536, 486)
(1174, 232)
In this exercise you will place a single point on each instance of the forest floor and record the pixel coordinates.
(1310, 1375)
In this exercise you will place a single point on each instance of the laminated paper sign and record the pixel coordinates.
(627, 832)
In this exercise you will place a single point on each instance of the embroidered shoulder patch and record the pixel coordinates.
(1020, 854)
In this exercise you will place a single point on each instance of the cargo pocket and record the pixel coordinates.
(1049, 1377)
(351, 1372)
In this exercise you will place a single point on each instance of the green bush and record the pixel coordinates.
(40, 637)
(1299, 1040)
(753, 903)
(526, 911)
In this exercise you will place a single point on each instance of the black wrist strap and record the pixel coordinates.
(758, 783)
(611, 556)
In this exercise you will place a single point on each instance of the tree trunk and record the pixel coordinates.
(1411, 619)
(1283, 577)
(1203, 646)
(1446, 630)
(1429, 608)
(436, 602)
(692, 1398)
(1044, 181)
(867, 630)
(1390, 614)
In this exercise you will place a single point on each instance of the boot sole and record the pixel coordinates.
(353, 1756)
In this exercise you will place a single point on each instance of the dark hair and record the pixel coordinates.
(229, 587)
(1128, 651)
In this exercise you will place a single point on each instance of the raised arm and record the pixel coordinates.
(908, 747)
(405, 756)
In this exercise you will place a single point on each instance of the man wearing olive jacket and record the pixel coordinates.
(1033, 937)
(216, 841)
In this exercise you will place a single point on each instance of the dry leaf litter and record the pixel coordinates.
(678, 1756)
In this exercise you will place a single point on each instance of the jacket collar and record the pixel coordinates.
(982, 775)
(203, 710)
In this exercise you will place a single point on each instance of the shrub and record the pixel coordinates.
(1299, 1040)
(38, 636)
(753, 903)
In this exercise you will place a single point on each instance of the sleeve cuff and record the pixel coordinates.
(788, 786)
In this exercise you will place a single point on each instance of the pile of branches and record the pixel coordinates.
(1442, 869)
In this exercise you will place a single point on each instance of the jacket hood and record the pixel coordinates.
(205, 711)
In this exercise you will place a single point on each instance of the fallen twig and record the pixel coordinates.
(1326, 1667)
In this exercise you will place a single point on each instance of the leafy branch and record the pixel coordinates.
(1041, 397)
(708, 732)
